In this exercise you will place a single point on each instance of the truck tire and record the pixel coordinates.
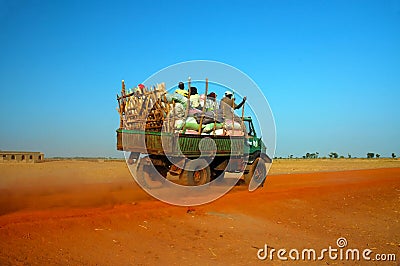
(258, 171)
(144, 176)
(133, 157)
(196, 177)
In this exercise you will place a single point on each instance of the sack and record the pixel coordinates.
(220, 116)
(191, 132)
(209, 117)
(179, 110)
(219, 132)
(177, 98)
(191, 124)
(194, 112)
(210, 127)
(206, 119)
(229, 125)
(234, 133)
(178, 124)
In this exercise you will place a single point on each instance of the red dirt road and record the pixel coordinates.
(117, 223)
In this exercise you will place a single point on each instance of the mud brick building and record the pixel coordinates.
(21, 157)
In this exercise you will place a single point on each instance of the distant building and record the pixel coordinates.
(21, 157)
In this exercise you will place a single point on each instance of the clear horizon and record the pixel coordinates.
(329, 70)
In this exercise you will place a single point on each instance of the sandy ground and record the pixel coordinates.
(93, 213)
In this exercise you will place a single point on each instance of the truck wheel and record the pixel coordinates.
(144, 176)
(196, 177)
(258, 171)
(133, 157)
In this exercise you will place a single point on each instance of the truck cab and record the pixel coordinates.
(255, 168)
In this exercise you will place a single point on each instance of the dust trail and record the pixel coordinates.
(65, 184)
(69, 196)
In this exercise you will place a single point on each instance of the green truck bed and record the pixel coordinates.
(158, 143)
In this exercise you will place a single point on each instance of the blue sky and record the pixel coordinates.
(329, 69)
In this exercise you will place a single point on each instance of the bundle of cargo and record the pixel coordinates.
(143, 108)
(216, 124)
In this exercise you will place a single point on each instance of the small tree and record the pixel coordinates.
(370, 155)
(393, 155)
(349, 155)
(334, 155)
(377, 155)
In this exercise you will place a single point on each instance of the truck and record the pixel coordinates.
(195, 159)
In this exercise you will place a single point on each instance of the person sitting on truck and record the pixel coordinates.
(194, 98)
(211, 102)
(181, 90)
(228, 103)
